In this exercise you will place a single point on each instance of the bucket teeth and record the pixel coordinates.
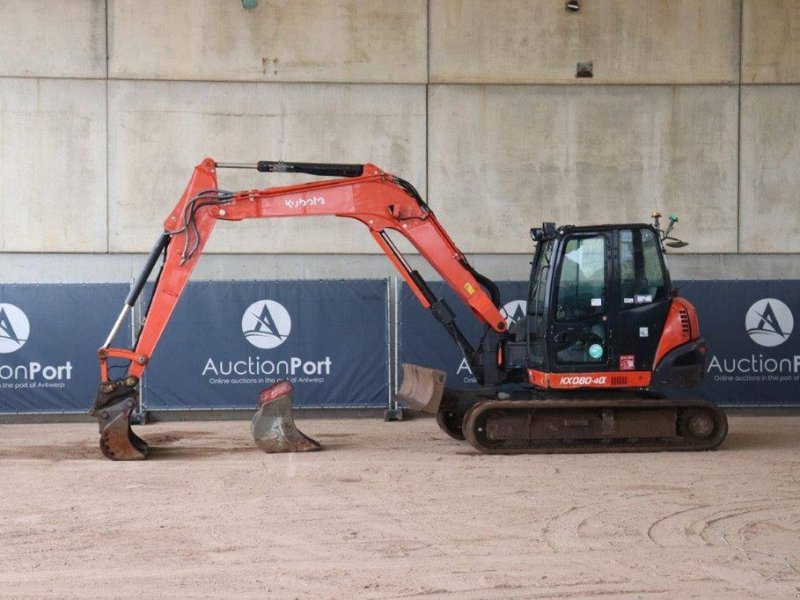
(422, 388)
(273, 427)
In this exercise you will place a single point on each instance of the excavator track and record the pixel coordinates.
(582, 425)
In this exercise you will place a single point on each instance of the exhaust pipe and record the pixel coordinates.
(273, 427)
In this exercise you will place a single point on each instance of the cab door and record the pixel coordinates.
(643, 300)
(581, 329)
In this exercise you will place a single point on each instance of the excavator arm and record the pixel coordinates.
(365, 193)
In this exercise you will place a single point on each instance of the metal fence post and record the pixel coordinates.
(395, 411)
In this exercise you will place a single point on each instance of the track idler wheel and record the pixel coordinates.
(273, 427)
(113, 408)
(702, 424)
(474, 427)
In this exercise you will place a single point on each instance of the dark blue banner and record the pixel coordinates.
(753, 345)
(49, 336)
(227, 341)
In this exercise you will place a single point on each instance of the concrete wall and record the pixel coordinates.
(628, 41)
(597, 154)
(182, 122)
(53, 38)
(693, 108)
(52, 165)
(379, 41)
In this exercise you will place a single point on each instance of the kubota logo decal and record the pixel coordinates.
(769, 322)
(266, 324)
(14, 328)
(303, 202)
(514, 311)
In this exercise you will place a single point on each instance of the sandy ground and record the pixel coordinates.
(395, 510)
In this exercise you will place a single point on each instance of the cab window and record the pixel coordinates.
(581, 283)
(642, 278)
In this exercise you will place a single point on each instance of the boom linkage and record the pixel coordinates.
(365, 193)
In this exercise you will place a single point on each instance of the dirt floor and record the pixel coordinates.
(394, 510)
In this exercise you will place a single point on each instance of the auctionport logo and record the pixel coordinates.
(14, 328)
(14, 332)
(266, 324)
(514, 311)
(769, 322)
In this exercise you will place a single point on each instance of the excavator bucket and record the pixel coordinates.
(422, 388)
(113, 407)
(273, 427)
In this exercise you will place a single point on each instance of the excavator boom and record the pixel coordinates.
(382, 202)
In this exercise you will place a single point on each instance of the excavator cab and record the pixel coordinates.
(603, 334)
(598, 303)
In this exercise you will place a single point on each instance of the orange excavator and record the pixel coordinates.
(604, 339)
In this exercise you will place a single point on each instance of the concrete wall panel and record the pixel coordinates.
(770, 169)
(503, 159)
(160, 130)
(771, 41)
(52, 165)
(52, 38)
(381, 41)
(539, 41)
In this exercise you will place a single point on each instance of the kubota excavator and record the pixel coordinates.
(584, 371)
